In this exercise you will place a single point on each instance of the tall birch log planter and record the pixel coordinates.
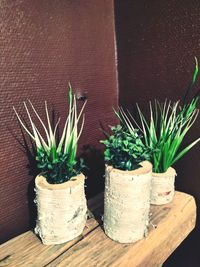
(127, 203)
(60, 196)
(127, 185)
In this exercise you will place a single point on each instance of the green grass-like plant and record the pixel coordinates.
(124, 150)
(166, 128)
(165, 132)
(56, 159)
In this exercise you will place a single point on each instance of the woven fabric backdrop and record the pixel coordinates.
(157, 41)
(43, 46)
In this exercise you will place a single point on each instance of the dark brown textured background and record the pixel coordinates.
(45, 44)
(157, 42)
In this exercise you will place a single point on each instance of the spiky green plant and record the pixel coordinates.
(56, 159)
(165, 131)
(195, 98)
(166, 128)
(124, 150)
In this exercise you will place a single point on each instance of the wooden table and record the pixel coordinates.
(170, 224)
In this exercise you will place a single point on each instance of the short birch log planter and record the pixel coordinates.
(61, 209)
(162, 189)
(127, 203)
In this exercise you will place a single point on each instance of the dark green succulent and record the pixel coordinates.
(125, 150)
(58, 170)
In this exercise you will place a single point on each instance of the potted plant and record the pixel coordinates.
(127, 186)
(164, 133)
(60, 196)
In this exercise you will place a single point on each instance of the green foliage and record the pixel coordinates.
(56, 171)
(56, 160)
(167, 127)
(165, 132)
(191, 85)
(124, 150)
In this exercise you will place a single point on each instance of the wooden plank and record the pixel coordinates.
(27, 250)
(174, 222)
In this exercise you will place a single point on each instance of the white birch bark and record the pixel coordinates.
(127, 203)
(61, 209)
(162, 188)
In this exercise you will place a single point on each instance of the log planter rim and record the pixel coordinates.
(43, 184)
(146, 167)
(169, 171)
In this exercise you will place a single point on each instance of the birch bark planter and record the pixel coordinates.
(127, 203)
(61, 209)
(162, 189)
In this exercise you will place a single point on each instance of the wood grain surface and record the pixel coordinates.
(170, 224)
(43, 46)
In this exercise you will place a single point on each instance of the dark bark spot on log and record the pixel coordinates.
(164, 194)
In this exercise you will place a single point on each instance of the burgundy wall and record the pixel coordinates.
(157, 42)
(43, 45)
